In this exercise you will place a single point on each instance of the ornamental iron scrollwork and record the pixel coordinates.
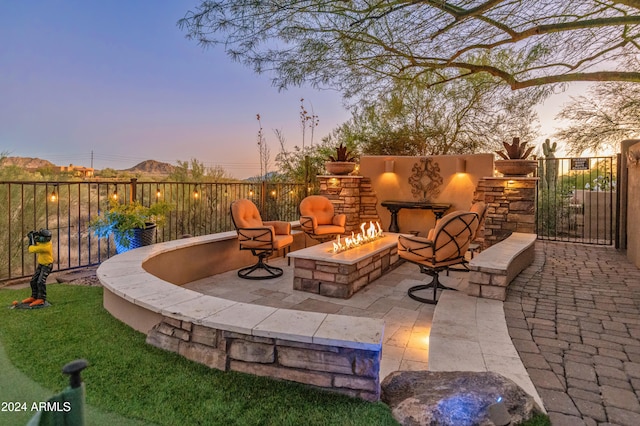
(425, 179)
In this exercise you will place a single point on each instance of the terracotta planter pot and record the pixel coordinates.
(516, 168)
(339, 167)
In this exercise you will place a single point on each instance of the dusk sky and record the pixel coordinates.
(120, 79)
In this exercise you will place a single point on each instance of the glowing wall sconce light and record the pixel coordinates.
(114, 196)
(54, 194)
(158, 193)
(461, 165)
(251, 193)
(389, 166)
(196, 193)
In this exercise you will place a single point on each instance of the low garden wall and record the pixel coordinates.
(142, 288)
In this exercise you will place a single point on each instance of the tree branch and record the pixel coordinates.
(552, 28)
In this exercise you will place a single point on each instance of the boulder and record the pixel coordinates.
(456, 398)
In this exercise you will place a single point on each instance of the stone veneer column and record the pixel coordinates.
(511, 206)
(353, 196)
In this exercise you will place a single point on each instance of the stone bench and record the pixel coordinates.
(494, 268)
(333, 352)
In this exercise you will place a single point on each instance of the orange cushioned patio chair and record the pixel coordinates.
(478, 208)
(318, 218)
(446, 246)
(262, 238)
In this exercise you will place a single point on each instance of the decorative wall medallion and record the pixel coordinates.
(425, 179)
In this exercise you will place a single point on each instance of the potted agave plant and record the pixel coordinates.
(132, 224)
(514, 162)
(342, 163)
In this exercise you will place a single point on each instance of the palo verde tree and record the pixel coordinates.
(598, 121)
(471, 114)
(356, 45)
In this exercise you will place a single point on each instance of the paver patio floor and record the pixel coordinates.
(574, 317)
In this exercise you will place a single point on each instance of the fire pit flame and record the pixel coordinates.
(366, 235)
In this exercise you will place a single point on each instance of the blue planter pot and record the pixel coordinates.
(140, 238)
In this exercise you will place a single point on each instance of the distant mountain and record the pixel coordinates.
(148, 167)
(152, 167)
(27, 162)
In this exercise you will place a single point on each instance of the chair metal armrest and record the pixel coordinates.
(308, 223)
(413, 241)
(264, 234)
(280, 227)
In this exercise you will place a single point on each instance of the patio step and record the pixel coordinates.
(470, 334)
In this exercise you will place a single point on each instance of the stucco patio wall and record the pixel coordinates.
(456, 189)
(633, 207)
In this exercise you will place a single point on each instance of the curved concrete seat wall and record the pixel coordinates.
(142, 288)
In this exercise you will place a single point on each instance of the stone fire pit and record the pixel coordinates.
(318, 270)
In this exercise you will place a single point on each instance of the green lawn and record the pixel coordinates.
(131, 379)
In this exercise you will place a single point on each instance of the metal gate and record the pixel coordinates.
(577, 200)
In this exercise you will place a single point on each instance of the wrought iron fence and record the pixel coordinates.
(66, 208)
(577, 200)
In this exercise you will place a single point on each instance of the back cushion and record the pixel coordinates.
(453, 235)
(318, 206)
(245, 214)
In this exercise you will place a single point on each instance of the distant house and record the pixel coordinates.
(78, 170)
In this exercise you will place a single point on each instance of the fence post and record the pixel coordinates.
(133, 196)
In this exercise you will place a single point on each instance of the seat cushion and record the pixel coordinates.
(329, 229)
(281, 241)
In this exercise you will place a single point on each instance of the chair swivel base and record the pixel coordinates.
(271, 271)
(434, 284)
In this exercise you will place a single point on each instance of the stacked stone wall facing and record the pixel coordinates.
(353, 372)
(352, 196)
(338, 280)
(511, 207)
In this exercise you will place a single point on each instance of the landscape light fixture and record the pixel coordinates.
(54, 195)
(461, 165)
(158, 193)
(499, 414)
(196, 194)
(273, 193)
(251, 192)
(389, 166)
(114, 196)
